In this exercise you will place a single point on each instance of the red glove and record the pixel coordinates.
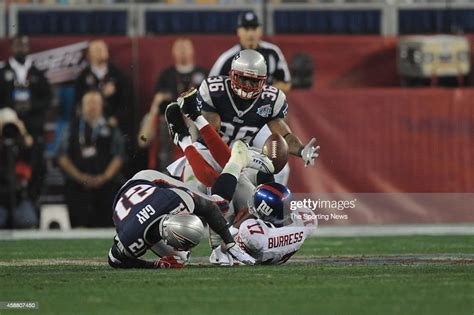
(173, 262)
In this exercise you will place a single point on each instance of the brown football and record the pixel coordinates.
(276, 148)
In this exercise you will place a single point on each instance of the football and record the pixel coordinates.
(276, 148)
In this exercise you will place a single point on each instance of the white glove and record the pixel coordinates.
(310, 153)
(238, 254)
(220, 258)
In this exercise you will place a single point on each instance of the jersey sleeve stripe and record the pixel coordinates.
(280, 102)
(204, 92)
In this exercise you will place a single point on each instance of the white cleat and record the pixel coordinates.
(260, 162)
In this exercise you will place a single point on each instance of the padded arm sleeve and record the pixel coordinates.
(213, 216)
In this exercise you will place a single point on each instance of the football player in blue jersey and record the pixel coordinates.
(240, 104)
(153, 211)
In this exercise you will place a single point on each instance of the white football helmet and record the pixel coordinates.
(248, 74)
(181, 231)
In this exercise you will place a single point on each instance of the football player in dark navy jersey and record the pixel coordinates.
(154, 211)
(238, 106)
(240, 118)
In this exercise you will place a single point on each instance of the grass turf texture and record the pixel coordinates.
(287, 289)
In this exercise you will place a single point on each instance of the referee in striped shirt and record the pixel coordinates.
(250, 33)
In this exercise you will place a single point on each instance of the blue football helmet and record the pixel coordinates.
(270, 203)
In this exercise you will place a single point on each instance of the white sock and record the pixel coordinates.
(186, 142)
(233, 169)
(201, 122)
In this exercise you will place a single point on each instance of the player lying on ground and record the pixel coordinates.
(271, 237)
(154, 211)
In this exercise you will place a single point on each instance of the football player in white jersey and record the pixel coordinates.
(274, 234)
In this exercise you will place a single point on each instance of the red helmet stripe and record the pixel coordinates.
(273, 190)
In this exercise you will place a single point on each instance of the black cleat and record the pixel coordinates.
(189, 104)
(176, 124)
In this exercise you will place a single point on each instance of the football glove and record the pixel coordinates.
(309, 153)
(188, 103)
(169, 262)
(238, 254)
(220, 258)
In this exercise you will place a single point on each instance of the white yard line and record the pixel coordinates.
(322, 231)
(446, 259)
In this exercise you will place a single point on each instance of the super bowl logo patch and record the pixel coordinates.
(265, 110)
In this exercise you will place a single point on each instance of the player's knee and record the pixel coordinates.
(114, 258)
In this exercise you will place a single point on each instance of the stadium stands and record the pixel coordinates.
(334, 17)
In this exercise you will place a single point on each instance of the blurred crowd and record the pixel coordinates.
(92, 149)
(98, 146)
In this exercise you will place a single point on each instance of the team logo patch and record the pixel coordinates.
(265, 110)
(264, 208)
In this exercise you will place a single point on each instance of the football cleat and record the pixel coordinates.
(260, 162)
(176, 124)
(188, 103)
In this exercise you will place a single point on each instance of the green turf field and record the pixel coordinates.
(433, 275)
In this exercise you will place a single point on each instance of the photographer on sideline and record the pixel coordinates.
(16, 208)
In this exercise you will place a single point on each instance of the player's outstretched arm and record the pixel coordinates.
(307, 152)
